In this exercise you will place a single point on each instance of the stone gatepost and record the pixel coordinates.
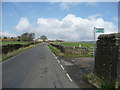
(107, 60)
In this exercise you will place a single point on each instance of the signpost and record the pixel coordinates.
(97, 30)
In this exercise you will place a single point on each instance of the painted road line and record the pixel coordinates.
(53, 54)
(69, 77)
(51, 51)
(62, 67)
(55, 57)
(58, 61)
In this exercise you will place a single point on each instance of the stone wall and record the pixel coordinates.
(73, 50)
(4, 49)
(107, 59)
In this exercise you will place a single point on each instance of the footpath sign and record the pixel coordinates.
(97, 30)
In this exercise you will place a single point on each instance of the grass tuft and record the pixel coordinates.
(97, 81)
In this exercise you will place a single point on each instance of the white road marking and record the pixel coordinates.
(54, 54)
(56, 57)
(69, 77)
(62, 67)
(58, 61)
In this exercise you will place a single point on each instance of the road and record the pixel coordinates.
(35, 68)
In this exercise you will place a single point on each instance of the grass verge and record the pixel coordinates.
(56, 51)
(13, 42)
(13, 53)
(96, 81)
(59, 53)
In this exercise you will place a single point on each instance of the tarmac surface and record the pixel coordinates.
(35, 68)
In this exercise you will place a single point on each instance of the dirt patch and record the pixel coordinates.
(77, 68)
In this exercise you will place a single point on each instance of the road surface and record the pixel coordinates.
(35, 68)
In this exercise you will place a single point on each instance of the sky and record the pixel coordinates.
(70, 21)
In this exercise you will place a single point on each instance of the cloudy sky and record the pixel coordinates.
(72, 21)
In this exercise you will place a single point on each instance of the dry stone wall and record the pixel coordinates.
(73, 50)
(107, 59)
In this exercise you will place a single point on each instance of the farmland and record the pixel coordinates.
(76, 44)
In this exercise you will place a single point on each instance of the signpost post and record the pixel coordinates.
(97, 30)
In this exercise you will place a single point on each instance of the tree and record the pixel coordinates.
(43, 37)
(4, 37)
(27, 36)
(12, 37)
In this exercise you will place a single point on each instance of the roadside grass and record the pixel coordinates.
(96, 81)
(76, 44)
(59, 53)
(56, 51)
(13, 42)
(13, 53)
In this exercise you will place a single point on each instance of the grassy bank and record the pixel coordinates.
(59, 53)
(96, 81)
(13, 42)
(13, 53)
(56, 51)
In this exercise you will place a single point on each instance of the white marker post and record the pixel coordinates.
(97, 30)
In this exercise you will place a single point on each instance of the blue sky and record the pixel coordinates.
(32, 13)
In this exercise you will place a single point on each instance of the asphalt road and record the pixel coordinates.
(35, 68)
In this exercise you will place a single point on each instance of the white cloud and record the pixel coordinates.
(7, 34)
(115, 19)
(95, 16)
(22, 25)
(67, 5)
(72, 27)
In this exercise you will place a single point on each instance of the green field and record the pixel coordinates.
(77, 44)
(13, 42)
